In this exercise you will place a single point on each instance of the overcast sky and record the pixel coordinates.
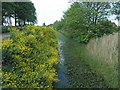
(48, 11)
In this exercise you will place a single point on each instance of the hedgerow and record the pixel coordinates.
(81, 22)
(30, 57)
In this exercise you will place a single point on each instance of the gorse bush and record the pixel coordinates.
(31, 56)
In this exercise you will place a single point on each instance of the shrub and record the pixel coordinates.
(5, 30)
(32, 55)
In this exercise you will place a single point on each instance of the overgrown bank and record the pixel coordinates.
(29, 58)
(102, 56)
(73, 71)
(85, 21)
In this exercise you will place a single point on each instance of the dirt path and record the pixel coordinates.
(72, 71)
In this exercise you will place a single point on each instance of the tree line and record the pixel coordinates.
(83, 21)
(21, 12)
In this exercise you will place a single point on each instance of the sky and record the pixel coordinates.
(48, 11)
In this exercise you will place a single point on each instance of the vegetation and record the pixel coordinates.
(101, 55)
(5, 30)
(29, 58)
(116, 10)
(83, 21)
(22, 12)
(30, 55)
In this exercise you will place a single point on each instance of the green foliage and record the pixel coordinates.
(58, 25)
(74, 23)
(23, 13)
(83, 21)
(106, 27)
(26, 12)
(116, 10)
(5, 30)
(31, 56)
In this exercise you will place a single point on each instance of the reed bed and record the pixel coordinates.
(102, 56)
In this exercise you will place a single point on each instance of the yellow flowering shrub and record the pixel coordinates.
(31, 55)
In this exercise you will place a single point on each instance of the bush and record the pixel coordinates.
(5, 30)
(32, 55)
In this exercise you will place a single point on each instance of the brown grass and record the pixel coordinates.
(104, 55)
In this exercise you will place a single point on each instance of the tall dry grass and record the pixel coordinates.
(103, 57)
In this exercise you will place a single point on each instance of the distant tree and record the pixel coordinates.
(7, 12)
(23, 13)
(74, 21)
(96, 11)
(44, 24)
(116, 10)
(83, 21)
(58, 25)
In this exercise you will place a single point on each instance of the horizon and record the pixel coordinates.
(55, 12)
